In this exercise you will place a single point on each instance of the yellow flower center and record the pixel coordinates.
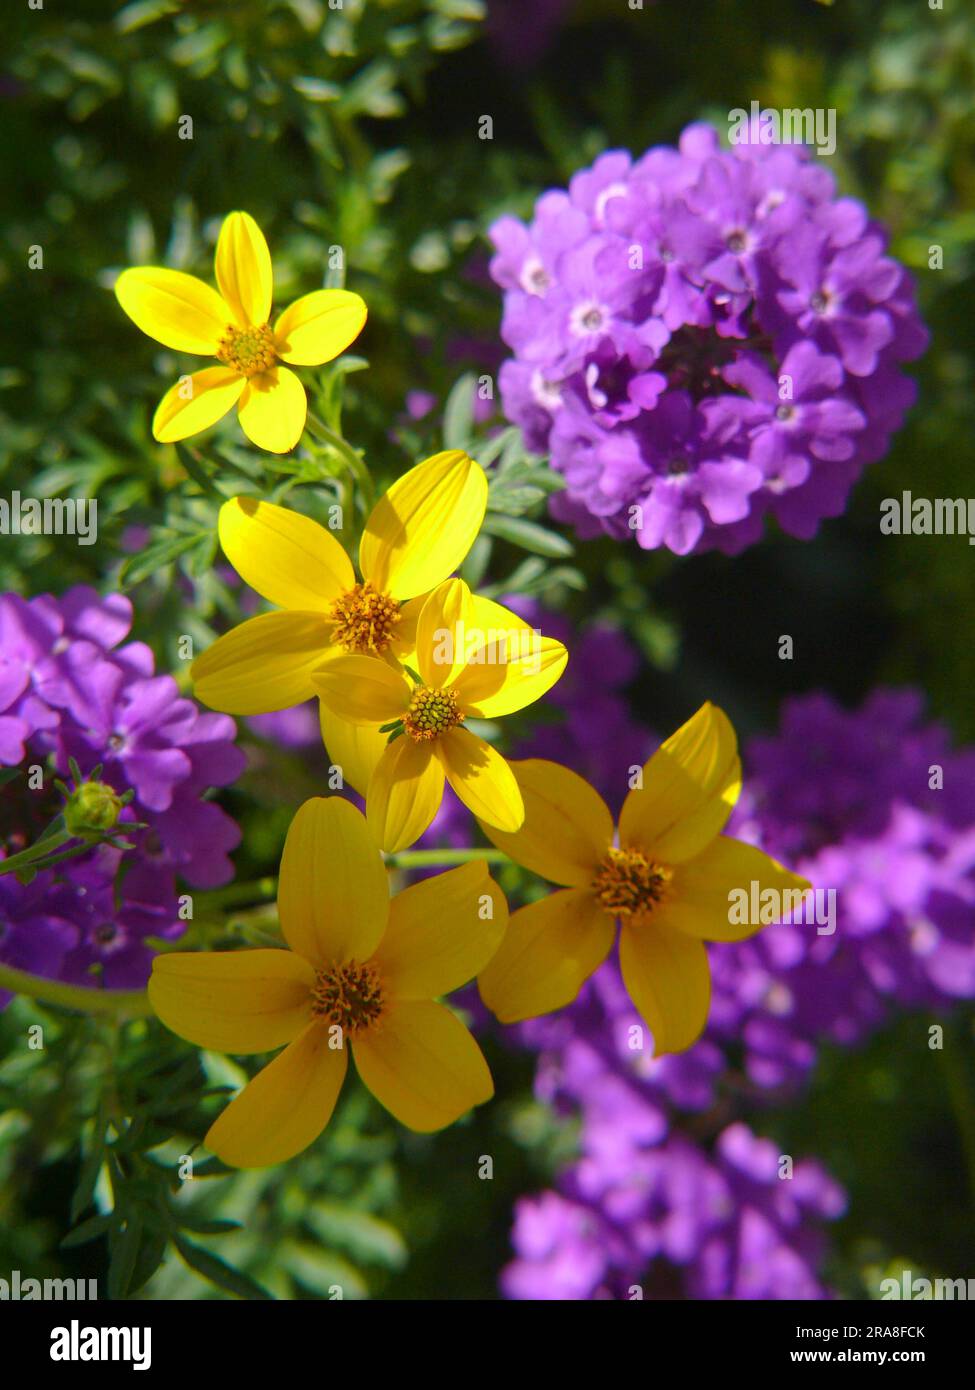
(628, 884)
(248, 350)
(349, 995)
(364, 619)
(431, 713)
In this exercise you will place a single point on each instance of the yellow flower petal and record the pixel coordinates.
(288, 558)
(243, 266)
(362, 689)
(354, 749)
(233, 1001)
(568, 827)
(506, 677)
(195, 403)
(404, 794)
(710, 895)
(548, 953)
(490, 617)
(690, 786)
(333, 893)
(423, 1065)
(481, 778)
(264, 664)
(176, 309)
(403, 645)
(285, 1107)
(667, 976)
(438, 936)
(423, 527)
(273, 409)
(318, 326)
(442, 630)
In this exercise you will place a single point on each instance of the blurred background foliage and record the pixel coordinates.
(356, 126)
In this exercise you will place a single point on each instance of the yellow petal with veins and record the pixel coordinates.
(285, 1107)
(243, 268)
(423, 1066)
(175, 309)
(422, 528)
(333, 891)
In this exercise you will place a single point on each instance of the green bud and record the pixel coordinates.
(92, 808)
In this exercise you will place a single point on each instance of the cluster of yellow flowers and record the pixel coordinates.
(400, 656)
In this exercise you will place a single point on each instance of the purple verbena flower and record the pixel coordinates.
(70, 691)
(703, 338)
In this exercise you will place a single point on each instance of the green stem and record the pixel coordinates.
(33, 858)
(131, 1002)
(40, 850)
(258, 890)
(422, 858)
(348, 455)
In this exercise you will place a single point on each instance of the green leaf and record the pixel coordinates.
(515, 501)
(88, 1176)
(321, 1270)
(213, 1168)
(316, 89)
(91, 1229)
(152, 1250)
(488, 451)
(124, 1250)
(155, 557)
(143, 12)
(218, 1272)
(202, 1227)
(196, 471)
(458, 414)
(528, 535)
(364, 1236)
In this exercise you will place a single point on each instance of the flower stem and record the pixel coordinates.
(32, 853)
(421, 858)
(348, 455)
(257, 891)
(133, 1003)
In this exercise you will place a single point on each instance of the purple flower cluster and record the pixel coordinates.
(628, 1216)
(872, 804)
(72, 688)
(702, 338)
(876, 809)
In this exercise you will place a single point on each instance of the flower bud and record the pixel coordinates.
(91, 808)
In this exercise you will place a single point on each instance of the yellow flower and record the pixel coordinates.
(669, 883)
(362, 970)
(417, 534)
(474, 659)
(187, 315)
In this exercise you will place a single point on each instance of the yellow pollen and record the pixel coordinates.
(431, 713)
(248, 350)
(349, 995)
(364, 619)
(628, 884)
